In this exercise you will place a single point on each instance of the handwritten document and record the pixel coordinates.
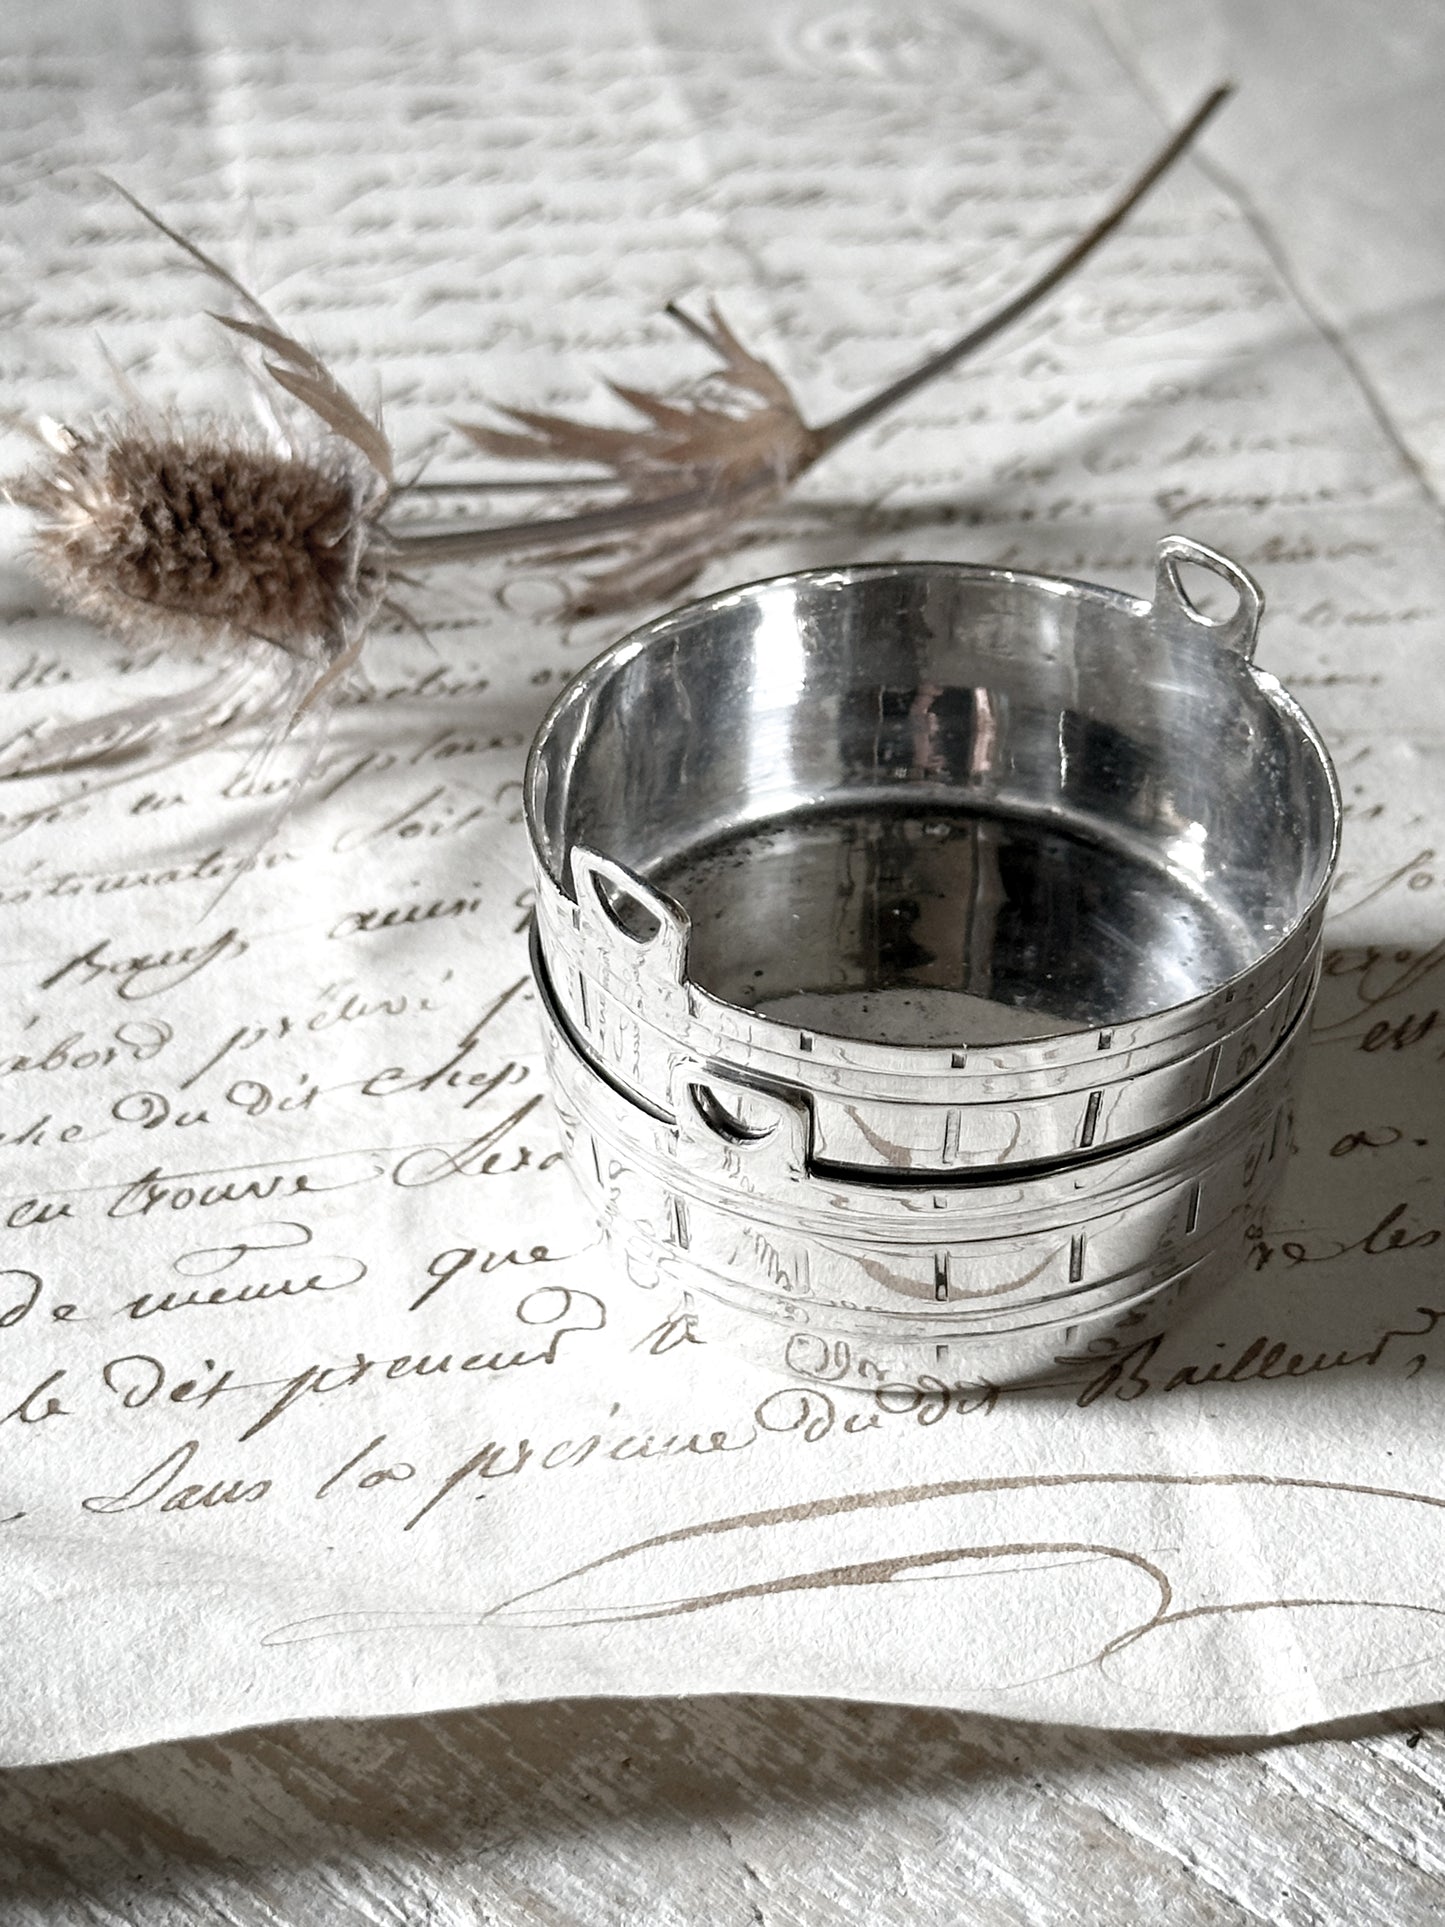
(317, 1393)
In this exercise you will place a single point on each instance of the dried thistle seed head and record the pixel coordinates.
(203, 536)
(182, 534)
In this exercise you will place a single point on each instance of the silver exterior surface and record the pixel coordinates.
(985, 868)
(870, 1282)
(914, 1110)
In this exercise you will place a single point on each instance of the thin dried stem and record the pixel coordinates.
(829, 434)
(462, 545)
(513, 485)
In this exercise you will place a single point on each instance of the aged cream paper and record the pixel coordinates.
(317, 1395)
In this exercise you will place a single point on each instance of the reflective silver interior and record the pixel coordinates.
(925, 802)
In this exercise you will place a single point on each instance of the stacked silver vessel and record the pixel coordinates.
(924, 955)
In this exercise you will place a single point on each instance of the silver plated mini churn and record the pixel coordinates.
(924, 952)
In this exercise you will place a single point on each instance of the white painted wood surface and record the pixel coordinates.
(729, 1813)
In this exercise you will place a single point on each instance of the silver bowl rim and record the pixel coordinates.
(603, 665)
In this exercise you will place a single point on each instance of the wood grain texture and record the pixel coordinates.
(733, 1812)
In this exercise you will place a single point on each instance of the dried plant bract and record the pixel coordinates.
(717, 451)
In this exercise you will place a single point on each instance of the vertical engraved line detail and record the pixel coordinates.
(952, 1126)
(802, 1270)
(1215, 1057)
(1091, 1119)
(677, 1214)
(1076, 1257)
(1192, 1221)
(940, 1275)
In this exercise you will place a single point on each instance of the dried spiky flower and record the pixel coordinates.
(717, 452)
(214, 534)
(199, 536)
(274, 552)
